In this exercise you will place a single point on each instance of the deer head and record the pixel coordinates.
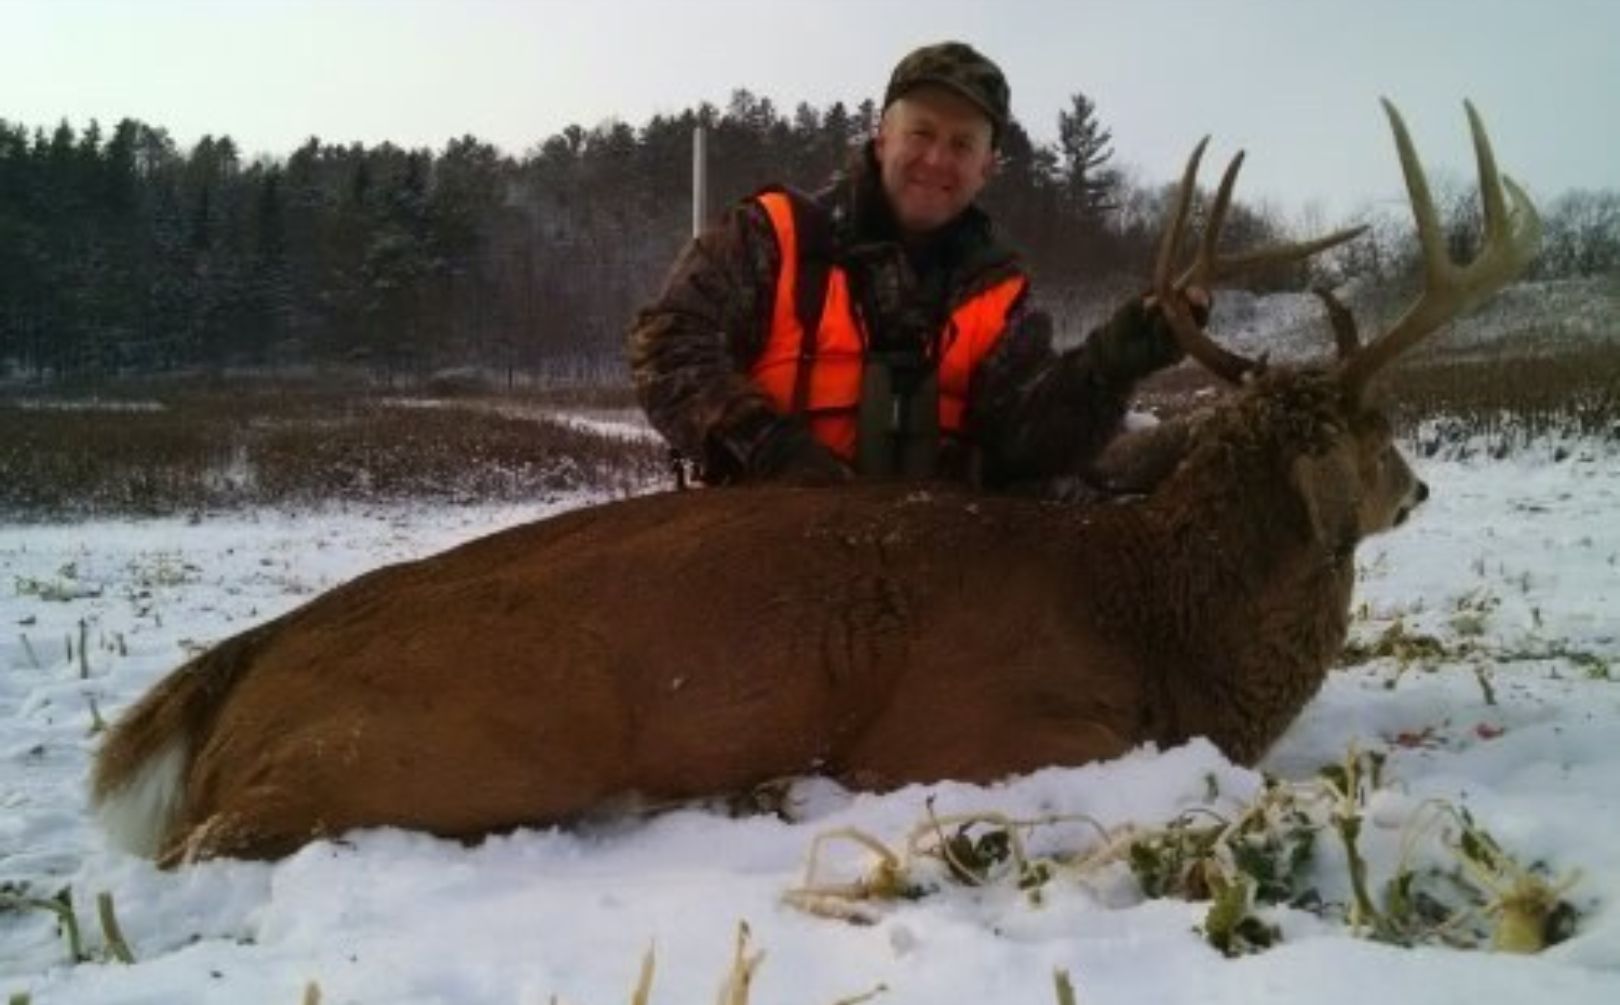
(1359, 484)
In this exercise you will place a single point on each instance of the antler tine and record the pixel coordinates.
(1210, 267)
(1247, 261)
(1490, 189)
(1202, 271)
(1345, 335)
(1167, 292)
(1170, 243)
(1512, 235)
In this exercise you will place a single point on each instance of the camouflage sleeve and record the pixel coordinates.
(690, 349)
(1035, 413)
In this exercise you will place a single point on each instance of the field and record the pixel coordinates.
(1472, 731)
(159, 449)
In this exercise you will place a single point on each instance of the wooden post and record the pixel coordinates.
(700, 179)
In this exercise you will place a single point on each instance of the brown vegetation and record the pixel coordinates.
(1509, 398)
(185, 449)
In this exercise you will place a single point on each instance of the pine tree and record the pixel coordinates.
(1089, 188)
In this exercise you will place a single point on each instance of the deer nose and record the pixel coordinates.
(1422, 492)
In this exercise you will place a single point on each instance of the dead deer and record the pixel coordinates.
(693, 644)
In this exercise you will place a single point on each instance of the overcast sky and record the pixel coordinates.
(1296, 82)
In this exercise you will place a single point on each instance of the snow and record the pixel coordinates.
(1512, 563)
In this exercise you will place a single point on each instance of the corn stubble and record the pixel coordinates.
(1467, 893)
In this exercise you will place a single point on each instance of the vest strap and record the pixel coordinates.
(810, 294)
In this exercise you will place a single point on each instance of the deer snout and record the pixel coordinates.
(1416, 497)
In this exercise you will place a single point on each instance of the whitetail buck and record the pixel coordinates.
(699, 643)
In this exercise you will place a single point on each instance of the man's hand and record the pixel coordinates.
(758, 444)
(1196, 299)
(1138, 341)
(789, 455)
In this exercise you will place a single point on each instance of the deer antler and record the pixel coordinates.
(1512, 235)
(1345, 336)
(1209, 267)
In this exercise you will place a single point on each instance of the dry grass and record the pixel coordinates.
(158, 451)
(187, 447)
(1511, 399)
(1506, 399)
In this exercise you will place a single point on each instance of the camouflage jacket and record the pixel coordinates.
(1033, 414)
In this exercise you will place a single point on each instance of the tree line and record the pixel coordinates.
(122, 253)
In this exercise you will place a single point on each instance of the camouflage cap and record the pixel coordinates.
(959, 67)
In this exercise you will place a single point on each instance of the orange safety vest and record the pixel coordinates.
(832, 388)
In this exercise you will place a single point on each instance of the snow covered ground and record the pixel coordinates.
(1514, 566)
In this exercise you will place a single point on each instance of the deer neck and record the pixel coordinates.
(1266, 602)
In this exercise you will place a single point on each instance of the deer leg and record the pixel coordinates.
(271, 827)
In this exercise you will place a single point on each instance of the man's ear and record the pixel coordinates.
(880, 132)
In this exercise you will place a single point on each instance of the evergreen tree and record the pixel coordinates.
(1088, 186)
(121, 252)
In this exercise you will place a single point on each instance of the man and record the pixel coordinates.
(879, 328)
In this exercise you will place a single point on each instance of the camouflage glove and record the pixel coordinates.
(790, 455)
(764, 446)
(1137, 340)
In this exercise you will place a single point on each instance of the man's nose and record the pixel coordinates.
(936, 154)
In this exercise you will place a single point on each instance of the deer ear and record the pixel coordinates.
(1138, 461)
(1329, 488)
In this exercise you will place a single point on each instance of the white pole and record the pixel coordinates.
(700, 180)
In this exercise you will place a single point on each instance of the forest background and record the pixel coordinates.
(122, 254)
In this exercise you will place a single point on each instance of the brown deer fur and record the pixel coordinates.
(692, 644)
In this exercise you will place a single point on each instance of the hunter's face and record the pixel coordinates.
(935, 152)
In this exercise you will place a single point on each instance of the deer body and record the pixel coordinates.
(691, 644)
